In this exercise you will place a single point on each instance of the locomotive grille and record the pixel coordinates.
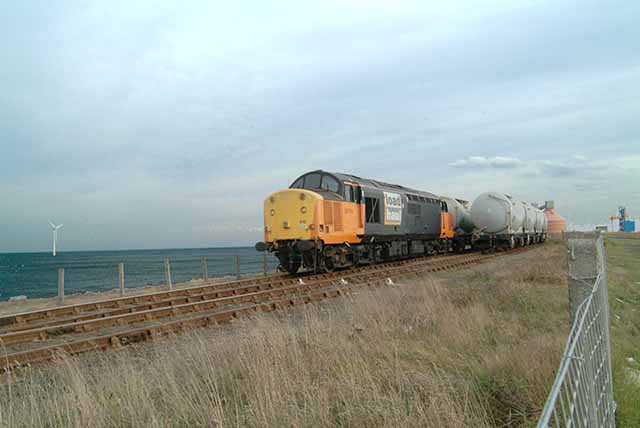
(328, 213)
(337, 216)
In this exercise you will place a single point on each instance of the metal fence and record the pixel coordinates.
(582, 394)
(158, 271)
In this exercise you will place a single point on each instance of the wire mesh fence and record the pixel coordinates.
(582, 394)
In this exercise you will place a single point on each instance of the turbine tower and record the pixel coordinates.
(55, 235)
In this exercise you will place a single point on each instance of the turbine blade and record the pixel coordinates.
(59, 226)
(52, 225)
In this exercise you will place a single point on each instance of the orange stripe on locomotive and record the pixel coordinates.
(300, 214)
(446, 225)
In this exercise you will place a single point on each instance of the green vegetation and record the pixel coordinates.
(623, 269)
(472, 348)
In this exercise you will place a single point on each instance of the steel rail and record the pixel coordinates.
(244, 304)
(8, 322)
(205, 301)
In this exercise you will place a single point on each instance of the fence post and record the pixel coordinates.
(264, 263)
(167, 273)
(121, 277)
(238, 267)
(604, 295)
(60, 286)
(205, 274)
(582, 271)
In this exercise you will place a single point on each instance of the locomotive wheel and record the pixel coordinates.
(291, 267)
(329, 266)
(328, 260)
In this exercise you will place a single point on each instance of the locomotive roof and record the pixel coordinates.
(376, 183)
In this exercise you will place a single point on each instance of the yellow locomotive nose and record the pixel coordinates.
(291, 215)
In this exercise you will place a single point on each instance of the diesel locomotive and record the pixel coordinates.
(327, 220)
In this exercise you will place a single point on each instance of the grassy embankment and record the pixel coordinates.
(472, 348)
(623, 263)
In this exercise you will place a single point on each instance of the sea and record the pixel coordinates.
(36, 274)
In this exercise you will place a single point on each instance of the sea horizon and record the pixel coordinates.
(128, 249)
(35, 274)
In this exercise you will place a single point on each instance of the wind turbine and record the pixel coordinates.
(55, 235)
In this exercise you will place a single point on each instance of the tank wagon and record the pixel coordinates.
(327, 220)
(502, 220)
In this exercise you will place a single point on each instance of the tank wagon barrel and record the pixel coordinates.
(501, 219)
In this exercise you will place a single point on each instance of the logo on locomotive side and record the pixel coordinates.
(392, 208)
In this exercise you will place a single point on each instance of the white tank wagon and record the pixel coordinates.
(503, 220)
(540, 233)
(536, 229)
(529, 219)
(496, 213)
(529, 226)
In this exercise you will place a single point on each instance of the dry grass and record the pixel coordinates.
(474, 348)
(623, 264)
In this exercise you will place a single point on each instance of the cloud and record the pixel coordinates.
(499, 162)
(577, 166)
(140, 126)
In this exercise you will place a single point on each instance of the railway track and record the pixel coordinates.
(36, 336)
(98, 308)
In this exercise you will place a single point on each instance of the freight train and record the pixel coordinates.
(326, 221)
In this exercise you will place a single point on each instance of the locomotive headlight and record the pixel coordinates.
(303, 210)
(272, 199)
(273, 212)
(302, 196)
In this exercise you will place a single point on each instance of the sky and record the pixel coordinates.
(165, 124)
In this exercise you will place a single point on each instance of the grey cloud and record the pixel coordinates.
(133, 117)
(577, 166)
(501, 162)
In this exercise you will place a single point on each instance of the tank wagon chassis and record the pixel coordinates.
(326, 221)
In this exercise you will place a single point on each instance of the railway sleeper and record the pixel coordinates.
(250, 298)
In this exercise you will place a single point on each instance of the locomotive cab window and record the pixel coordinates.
(298, 184)
(348, 193)
(352, 194)
(329, 183)
(357, 194)
(312, 181)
